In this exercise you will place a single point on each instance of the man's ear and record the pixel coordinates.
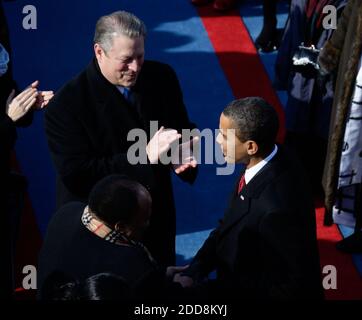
(124, 229)
(98, 51)
(252, 148)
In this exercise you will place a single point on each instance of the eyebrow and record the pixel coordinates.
(129, 57)
(124, 57)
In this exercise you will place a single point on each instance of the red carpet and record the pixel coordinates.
(349, 282)
(239, 59)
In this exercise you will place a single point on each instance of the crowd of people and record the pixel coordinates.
(113, 235)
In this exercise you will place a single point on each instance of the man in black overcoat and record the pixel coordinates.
(88, 122)
(265, 246)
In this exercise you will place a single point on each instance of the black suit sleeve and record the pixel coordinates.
(7, 133)
(77, 164)
(287, 265)
(205, 260)
(288, 254)
(7, 142)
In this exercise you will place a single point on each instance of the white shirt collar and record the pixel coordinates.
(251, 172)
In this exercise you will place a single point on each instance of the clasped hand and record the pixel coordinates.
(176, 274)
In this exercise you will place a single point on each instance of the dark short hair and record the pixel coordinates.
(254, 119)
(101, 286)
(104, 286)
(116, 198)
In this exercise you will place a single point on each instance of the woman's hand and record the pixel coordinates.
(19, 106)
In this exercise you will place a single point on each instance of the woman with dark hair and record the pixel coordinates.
(101, 286)
(103, 236)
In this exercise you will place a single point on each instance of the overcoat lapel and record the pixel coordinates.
(240, 204)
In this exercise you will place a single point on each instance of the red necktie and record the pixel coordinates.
(241, 183)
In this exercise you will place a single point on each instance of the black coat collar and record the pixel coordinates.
(240, 203)
(107, 95)
(101, 88)
(268, 173)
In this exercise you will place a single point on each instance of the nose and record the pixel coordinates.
(135, 65)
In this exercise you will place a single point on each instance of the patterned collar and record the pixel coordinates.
(94, 225)
(111, 235)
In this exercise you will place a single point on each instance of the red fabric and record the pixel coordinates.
(239, 59)
(315, 7)
(241, 183)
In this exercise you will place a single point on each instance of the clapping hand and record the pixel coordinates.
(19, 106)
(184, 158)
(161, 143)
(42, 98)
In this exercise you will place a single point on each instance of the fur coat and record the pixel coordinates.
(341, 56)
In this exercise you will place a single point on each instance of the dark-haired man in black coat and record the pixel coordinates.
(88, 122)
(265, 247)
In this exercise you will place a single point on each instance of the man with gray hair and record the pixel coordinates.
(89, 119)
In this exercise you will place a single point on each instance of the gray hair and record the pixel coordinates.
(115, 24)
